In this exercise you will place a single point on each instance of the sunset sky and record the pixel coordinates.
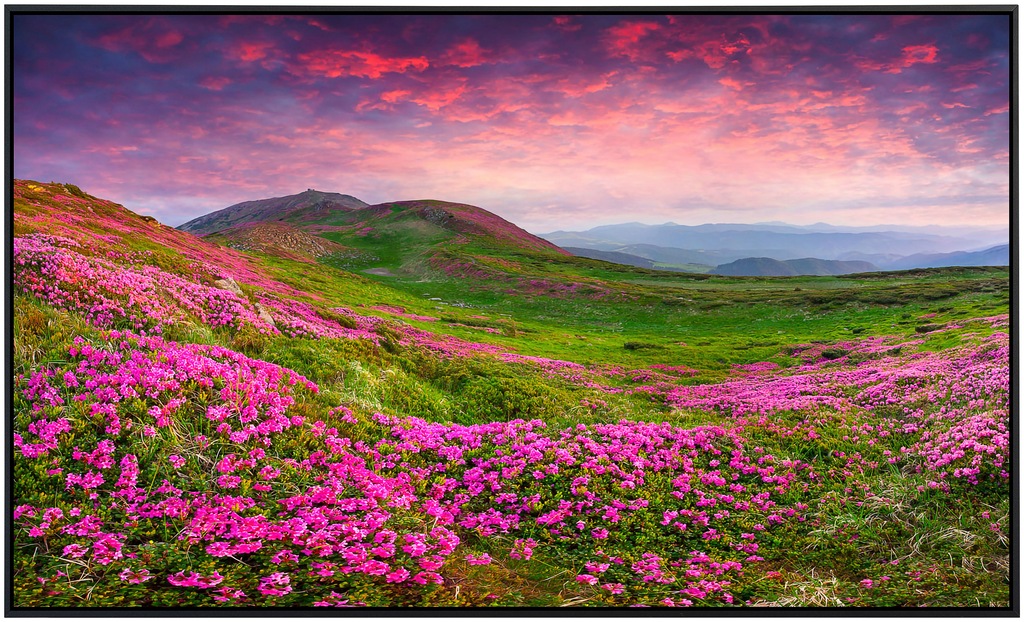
(553, 122)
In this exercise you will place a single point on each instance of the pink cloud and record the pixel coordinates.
(912, 55)
(214, 83)
(436, 99)
(733, 84)
(337, 63)
(564, 22)
(154, 40)
(113, 150)
(249, 51)
(576, 87)
(622, 39)
(395, 96)
(467, 53)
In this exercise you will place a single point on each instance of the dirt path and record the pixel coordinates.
(380, 272)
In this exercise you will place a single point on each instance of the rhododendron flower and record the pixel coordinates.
(194, 579)
(277, 584)
(75, 551)
(135, 576)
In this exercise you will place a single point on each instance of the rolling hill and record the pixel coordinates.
(199, 427)
(426, 239)
(309, 205)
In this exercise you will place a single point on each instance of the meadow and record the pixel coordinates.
(492, 425)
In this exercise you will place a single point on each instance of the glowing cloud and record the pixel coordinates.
(550, 121)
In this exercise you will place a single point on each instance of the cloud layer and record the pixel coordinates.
(551, 121)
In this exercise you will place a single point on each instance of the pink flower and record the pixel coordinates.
(276, 584)
(75, 551)
(135, 576)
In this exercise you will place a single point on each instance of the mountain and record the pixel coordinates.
(424, 239)
(308, 205)
(611, 256)
(669, 255)
(775, 241)
(458, 218)
(765, 266)
(995, 256)
(285, 432)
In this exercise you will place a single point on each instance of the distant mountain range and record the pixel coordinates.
(995, 256)
(614, 257)
(765, 266)
(746, 248)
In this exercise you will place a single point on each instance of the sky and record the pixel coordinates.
(551, 121)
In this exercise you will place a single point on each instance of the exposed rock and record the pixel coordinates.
(264, 314)
(230, 285)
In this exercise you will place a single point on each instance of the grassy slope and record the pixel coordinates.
(630, 318)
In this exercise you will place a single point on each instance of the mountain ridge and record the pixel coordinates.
(273, 208)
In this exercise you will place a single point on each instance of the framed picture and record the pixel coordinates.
(546, 311)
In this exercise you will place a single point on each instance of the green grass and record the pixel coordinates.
(945, 550)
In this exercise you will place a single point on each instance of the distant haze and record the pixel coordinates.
(552, 122)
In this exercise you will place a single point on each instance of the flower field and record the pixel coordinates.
(180, 444)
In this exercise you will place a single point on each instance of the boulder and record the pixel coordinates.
(230, 285)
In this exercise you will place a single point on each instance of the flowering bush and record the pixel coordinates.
(155, 472)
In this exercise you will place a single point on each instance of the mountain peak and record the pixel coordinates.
(291, 207)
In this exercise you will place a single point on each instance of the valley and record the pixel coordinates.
(420, 404)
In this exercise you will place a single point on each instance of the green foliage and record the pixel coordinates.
(947, 552)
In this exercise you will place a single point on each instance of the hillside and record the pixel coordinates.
(310, 204)
(433, 217)
(764, 266)
(198, 427)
